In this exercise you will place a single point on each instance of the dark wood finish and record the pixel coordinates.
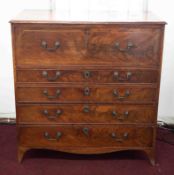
(99, 93)
(88, 46)
(86, 113)
(95, 135)
(87, 75)
(87, 87)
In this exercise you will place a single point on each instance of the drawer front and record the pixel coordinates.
(86, 135)
(87, 94)
(49, 47)
(88, 75)
(87, 113)
(123, 46)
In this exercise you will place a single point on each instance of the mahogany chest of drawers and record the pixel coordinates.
(86, 87)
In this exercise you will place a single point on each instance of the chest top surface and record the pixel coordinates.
(85, 17)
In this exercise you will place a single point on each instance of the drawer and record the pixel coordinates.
(88, 94)
(88, 75)
(87, 113)
(85, 136)
(119, 45)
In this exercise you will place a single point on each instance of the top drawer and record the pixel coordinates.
(99, 45)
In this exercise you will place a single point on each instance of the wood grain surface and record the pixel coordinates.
(86, 87)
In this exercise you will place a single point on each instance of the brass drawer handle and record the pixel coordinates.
(86, 109)
(57, 137)
(86, 131)
(117, 77)
(58, 92)
(117, 139)
(87, 74)
(86, 91)
(58, 113)
(45, 75)
(130, 45)
(120, 117)
(44, 45)
(116, 94)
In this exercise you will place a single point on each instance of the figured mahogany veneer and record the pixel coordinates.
(113, 75)
(86, 113)
(86, 136)
(86, 87)
(90, 93)
(88, 45)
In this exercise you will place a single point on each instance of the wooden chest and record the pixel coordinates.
(86, 87)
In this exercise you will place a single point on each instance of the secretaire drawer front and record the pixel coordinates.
(123, 46)
(86, 135)
(85, 113)
(88, 75)
(86, 94)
